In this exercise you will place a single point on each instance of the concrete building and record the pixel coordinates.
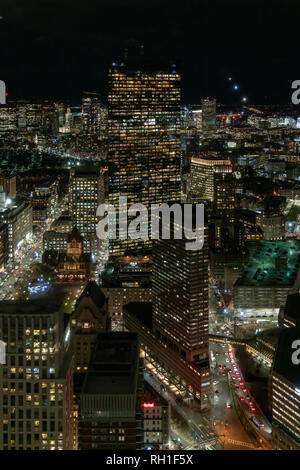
(272, 225)
(110, 413)
(206, 172)
(285, 391)
(84, 200)
(126, 279)
(36, 382)
(18, 217)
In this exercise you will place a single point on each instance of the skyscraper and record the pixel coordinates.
(207, 174)
(36, 383)
(110, 401)
(93, 114)
(208, 116)
(143, 136)
(180, 297)
(84, 199)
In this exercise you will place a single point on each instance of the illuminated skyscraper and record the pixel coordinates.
(180, 297)
(144, 137)
(207, 175)
(84, 200)
(208, 116)
(93, 115)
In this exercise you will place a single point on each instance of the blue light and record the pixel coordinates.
(235, 87)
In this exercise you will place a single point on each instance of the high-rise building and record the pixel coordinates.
(110, 414)
(84, 201)
(173, 330)
(143, 137)
(285, 391)
(208, 116)
(206, 173)
(91, 114)
(36, 382)
(180, 296)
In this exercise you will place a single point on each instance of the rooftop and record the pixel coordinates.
(114, 365)
(47, 304)
(273, 263)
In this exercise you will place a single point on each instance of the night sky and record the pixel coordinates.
(57, 48)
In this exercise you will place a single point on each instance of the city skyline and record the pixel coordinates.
(149, 228)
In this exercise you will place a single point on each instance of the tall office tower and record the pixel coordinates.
(180, 297)
(208, 116)
(204, 176)
(143, 138)
(91, 113)
(110, 400)
(84, 200)
(224, 195)
(285, 391)
(36, 382)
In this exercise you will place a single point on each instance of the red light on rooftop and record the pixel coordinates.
(149, 404)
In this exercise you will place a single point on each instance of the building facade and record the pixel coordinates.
(110, 416)
(143, 138)
(36, 382)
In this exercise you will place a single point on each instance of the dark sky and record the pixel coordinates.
(57, 48)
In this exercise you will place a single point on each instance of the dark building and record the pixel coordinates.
(143, 137)
(289, 315)
(89, 318)
(110, 415)
(285, 391)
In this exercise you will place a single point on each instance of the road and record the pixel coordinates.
(225, 420)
